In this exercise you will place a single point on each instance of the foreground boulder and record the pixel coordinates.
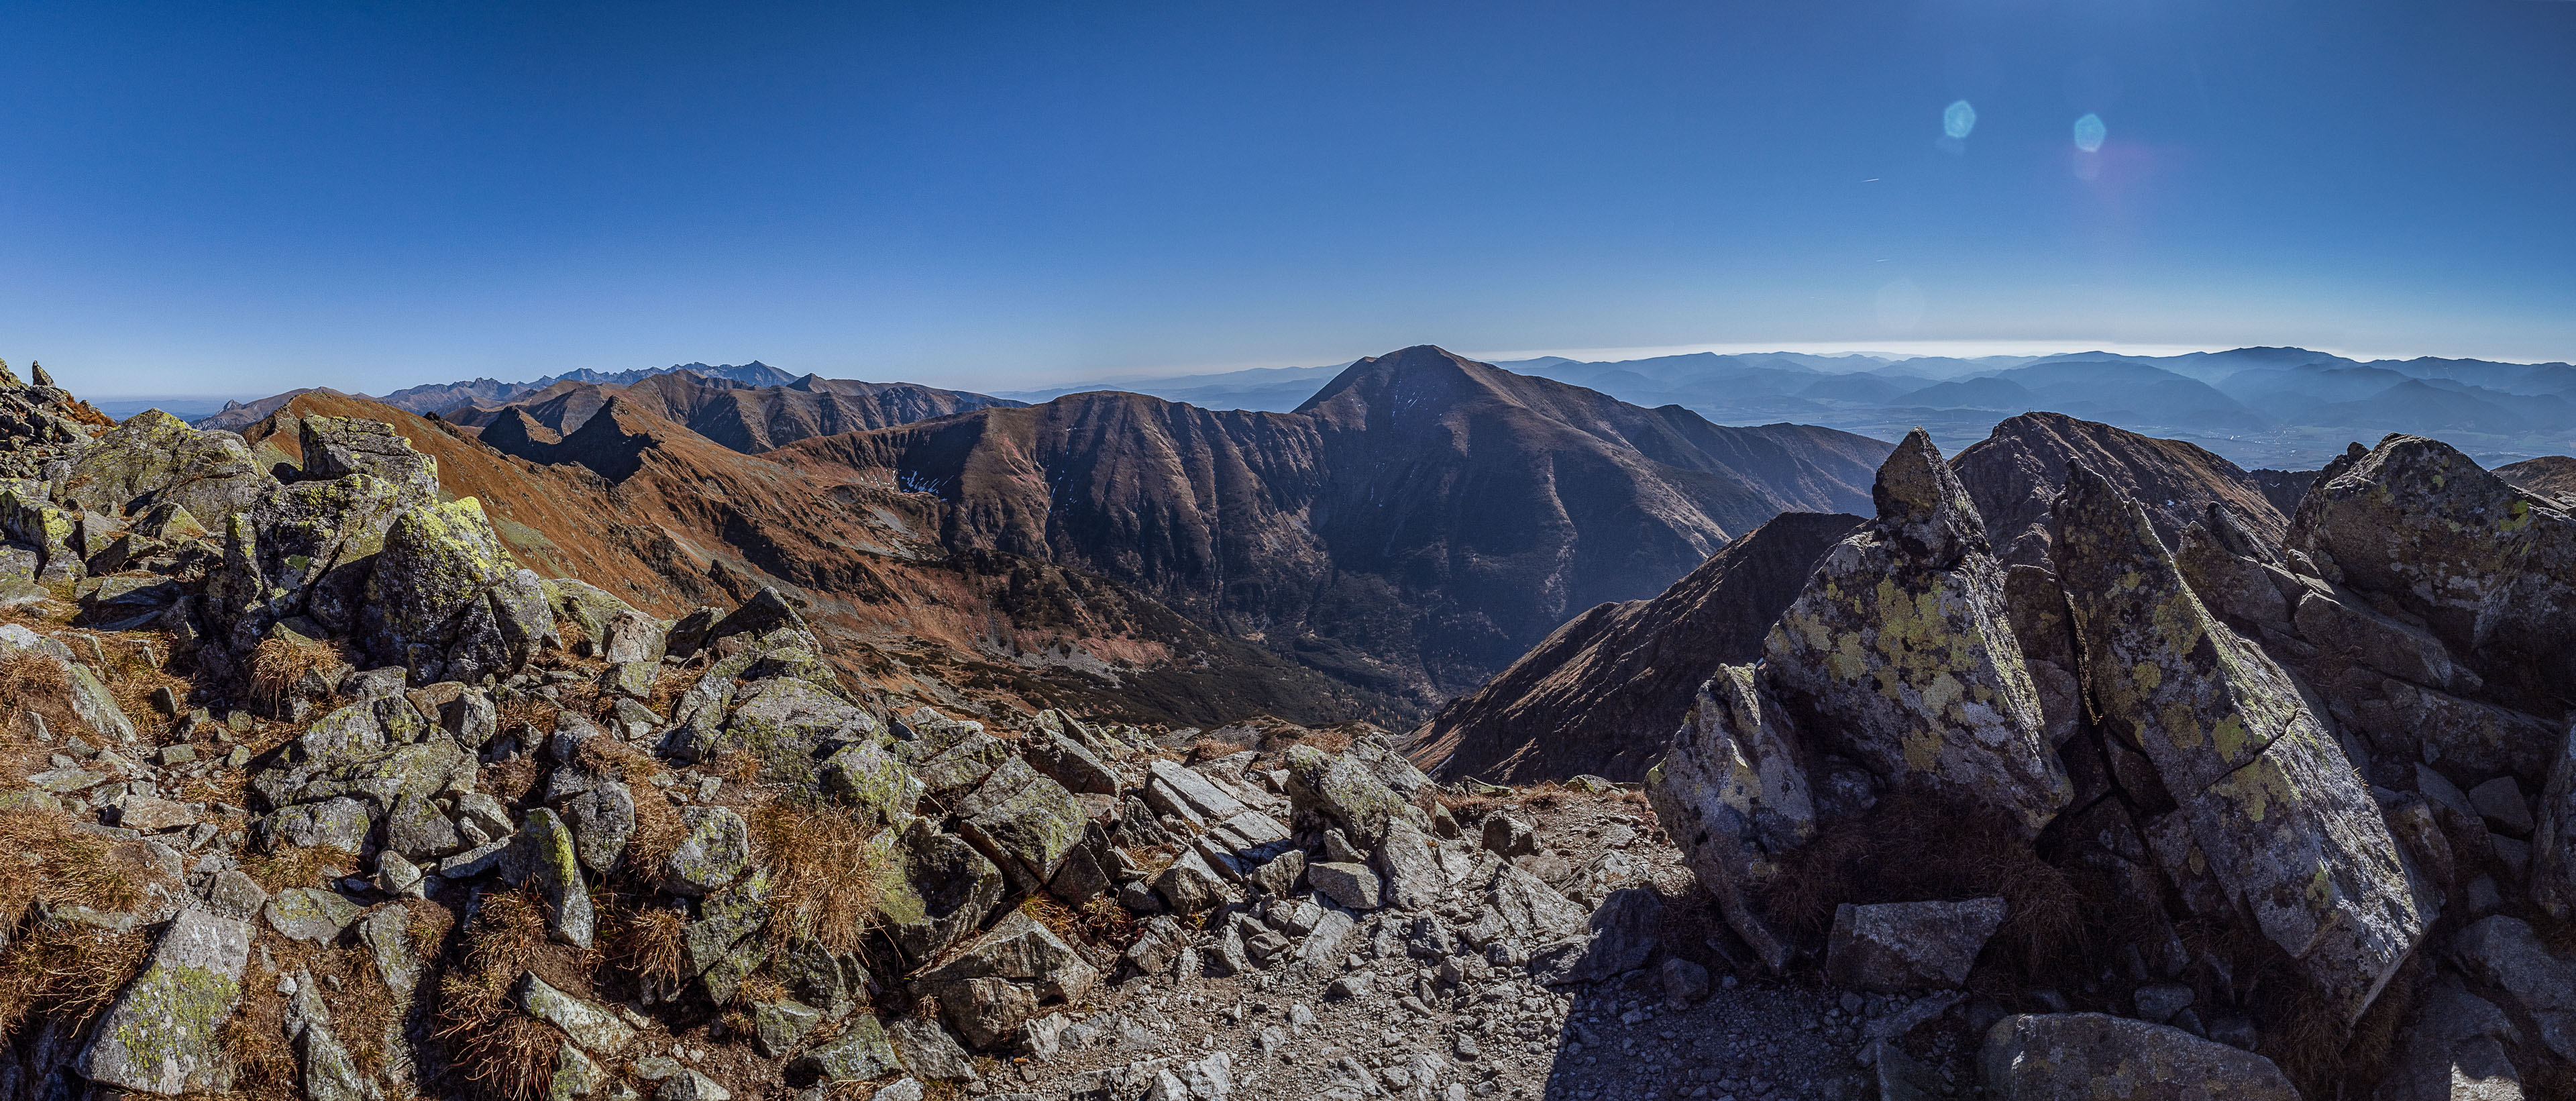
(446, 601)
(161, 1036)
(2274, 811)
(2058, 1056)
(1901, 650)
(1733, 792)
(2490, 570)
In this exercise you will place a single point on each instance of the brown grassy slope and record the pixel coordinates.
(688, 522)
(1603, 693)
(2548, 475)
(2015, 474)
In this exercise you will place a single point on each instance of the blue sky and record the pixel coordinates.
(236, 198)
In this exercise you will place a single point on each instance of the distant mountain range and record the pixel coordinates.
(2287, 408)
(439, 397)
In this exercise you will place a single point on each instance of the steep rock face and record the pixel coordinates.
(2014, 474)
(1598, 695)
(1900, 650)
(2275, 812)
(1416, 525)
(2487, 569)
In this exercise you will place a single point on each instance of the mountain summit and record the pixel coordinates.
(1414, 526)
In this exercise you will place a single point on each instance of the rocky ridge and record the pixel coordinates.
(351, 802)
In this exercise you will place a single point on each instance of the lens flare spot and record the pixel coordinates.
(2089, 133)
(1959, 119)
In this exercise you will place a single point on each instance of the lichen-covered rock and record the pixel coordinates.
(1067, 762)
(303, 549)
(375, 751)
(784, 721)
(1733, 792)
(862, 1053)
(602, 821)
(1902, 649)
(940, 891)
(2059, 1056)
(590, 1025)
(336, 447)
(2281, 819)
(1897, 946)
(2491, 570)
(865, 776)
(156, 459)
(1023, 821)
(554, 866)
(1342, 790)
(929, 1052)
(612, 630)
(718, 948)
(311, 914)
(431, 598)
(161, 1036)
(987, 991)
(1353, 886)
(778, 1025)
(713, 853)
(1192, 798)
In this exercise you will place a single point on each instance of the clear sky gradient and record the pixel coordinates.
(236, 199)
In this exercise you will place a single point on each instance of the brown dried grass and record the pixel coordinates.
(501, 1053)
(298, 866)
(44, 857)
(823, 872)
(35, 685)
(72, 971)
(131, 678)
(278, 664)
(645, 942)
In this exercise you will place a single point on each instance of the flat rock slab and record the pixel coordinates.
(591, 1026)
(161, 1035)
(1900, 946)
(2051, 1056)
(310, 914)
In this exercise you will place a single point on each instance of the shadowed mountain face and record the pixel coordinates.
(1603, 692)
(749, 419)
(2014, 475)
(1412, 528)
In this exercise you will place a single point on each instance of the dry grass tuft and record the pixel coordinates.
(504, 1054)
(740, 768)
(822, 870)
(278, 664)
(297, 866)
(131, 677)
(646, 944)
(71, 970)
(45, 858)
(264, 1064)
(34, 685)
(1209, 749)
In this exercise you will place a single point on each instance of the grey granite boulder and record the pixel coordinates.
(2283, 823)
(2056, 1056)
(714, 851)
(1902, 649)
(161, 1036)
(1899, 946)
(1733, 792)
